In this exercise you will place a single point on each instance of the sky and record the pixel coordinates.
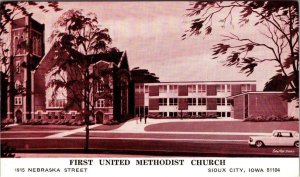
(150, 33)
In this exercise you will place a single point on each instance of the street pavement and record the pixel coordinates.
(154, 137)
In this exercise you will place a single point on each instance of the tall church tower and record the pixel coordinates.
(27, 49)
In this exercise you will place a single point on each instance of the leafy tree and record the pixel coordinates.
(81, 37)
(276, 83)
(277, 22)
(9, 11)
(143, 76)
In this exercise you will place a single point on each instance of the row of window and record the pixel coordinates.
(58, 103)
(56, 115)
(176, 114)
(192, 101)
(191, 88)
(19, 43)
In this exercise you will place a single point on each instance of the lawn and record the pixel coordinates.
(223, 126)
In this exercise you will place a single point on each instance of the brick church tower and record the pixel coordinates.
(27, 49)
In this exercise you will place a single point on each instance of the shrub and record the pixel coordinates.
(111, 122)
(7, 121)
(269, 118)
(7, 151)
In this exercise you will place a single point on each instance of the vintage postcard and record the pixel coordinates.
(202, 88)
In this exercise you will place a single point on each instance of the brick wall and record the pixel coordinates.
(182, 90)
(211, 103)
(211, 90)
(39, 80)
(238, 108)
(236, 89)
(267, 104)
(139, 99)
(183, 105)
(153, 91)
(253, 87)
(153, 104)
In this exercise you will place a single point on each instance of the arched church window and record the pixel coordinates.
(22, 47)
(18, 67)
(40, 46)
(34, 44)
(18, 84)
(16, 42)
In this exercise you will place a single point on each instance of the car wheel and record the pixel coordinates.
(296, 144)
(259, 144)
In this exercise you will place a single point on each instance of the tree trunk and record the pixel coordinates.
(12, 88)
(87, 135)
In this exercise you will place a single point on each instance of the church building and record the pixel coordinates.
(33, 69)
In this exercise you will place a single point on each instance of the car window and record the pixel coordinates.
(286, 134)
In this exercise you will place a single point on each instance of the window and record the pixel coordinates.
(228, 88)
(146, 89)
(100, 87)
(100, 103)
(192, 113)
(163, 102)
(173, 114)
(285, 134)
(192, 101)
(36, 43)
(229, 102)
(18, 67)
(221, 101)
(173, 88)
(201, 101)
(202, 114)
(221, 88)
(201, 88)
(173, 101)
(164, 114)
(18, 84)
(192, 88)
(139, 88)
(18, 100)
(16, 42)
(246, 87)
(162, 89)
(228, 114)
(58, 103)
(223, 114)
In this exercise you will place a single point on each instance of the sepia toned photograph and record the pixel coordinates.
(149, 79)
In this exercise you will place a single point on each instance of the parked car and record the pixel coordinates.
(278, 138)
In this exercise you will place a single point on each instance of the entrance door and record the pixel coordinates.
(99, 117)
(19, 116)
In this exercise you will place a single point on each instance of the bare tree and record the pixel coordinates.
(277, 21)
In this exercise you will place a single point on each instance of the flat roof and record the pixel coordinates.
(191, 82)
